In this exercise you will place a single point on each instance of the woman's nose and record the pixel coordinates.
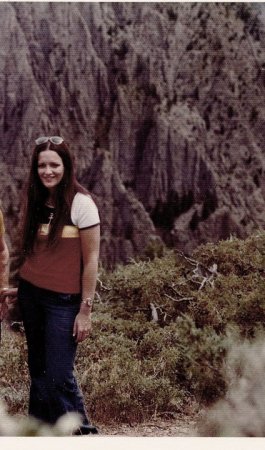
(47, 170)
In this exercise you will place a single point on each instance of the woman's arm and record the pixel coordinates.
(4, 275)
(90, 239)
(4, 264)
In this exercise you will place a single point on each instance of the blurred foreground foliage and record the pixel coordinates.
(241, 412)
(162, 328)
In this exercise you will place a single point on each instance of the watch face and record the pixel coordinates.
(87, 301)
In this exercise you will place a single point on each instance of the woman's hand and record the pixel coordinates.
(82, 326)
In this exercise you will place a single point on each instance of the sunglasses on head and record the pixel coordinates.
(54, 139)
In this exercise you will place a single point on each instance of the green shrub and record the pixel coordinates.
(231, 300)
(236, 256)
(119, 390)
(13, 372)
(161, 331)
(121, 381)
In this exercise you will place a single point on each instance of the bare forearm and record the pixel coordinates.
(90, 253)
(4, 267)
(89, 279)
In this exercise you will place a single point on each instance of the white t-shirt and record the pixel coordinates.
(84, 213)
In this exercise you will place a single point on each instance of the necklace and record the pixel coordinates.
(50, 205)
(51, 216)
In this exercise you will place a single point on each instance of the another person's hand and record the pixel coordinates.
(8, 292)
(82, 326)
(7, 297)
(3, 308)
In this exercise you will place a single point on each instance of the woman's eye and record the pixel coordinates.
(53, 166)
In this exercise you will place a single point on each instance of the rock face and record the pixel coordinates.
(161, 103)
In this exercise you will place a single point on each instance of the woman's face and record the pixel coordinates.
(50, 169)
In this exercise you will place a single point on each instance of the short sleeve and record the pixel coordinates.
(2, 226)
(84, 212)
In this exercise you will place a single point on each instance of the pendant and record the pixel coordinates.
(51, 216)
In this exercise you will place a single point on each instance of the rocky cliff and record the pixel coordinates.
(161, 103)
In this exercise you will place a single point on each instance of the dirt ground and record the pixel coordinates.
(183, 426)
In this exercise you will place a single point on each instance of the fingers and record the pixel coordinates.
(12, 292)
(82, 327)
(75, 329)
(8, 296)
(8, 292)
(80, 334)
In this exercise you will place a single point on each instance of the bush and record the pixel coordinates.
(161, 332)
(234, 256)
(14, 381)
(120, 380)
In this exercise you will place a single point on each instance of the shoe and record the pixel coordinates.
(86, 429)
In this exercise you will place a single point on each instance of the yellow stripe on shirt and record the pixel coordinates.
(69, 231)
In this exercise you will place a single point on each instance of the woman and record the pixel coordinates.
(57, 279)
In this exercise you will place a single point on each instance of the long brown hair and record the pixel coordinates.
(36, 194)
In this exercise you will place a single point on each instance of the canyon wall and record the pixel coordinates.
(162, 105)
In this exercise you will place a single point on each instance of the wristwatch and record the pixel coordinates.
(88, 301)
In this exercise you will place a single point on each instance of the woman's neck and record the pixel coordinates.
(51, 197)
(50, 200)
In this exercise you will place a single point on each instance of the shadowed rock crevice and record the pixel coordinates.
(165, 214)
